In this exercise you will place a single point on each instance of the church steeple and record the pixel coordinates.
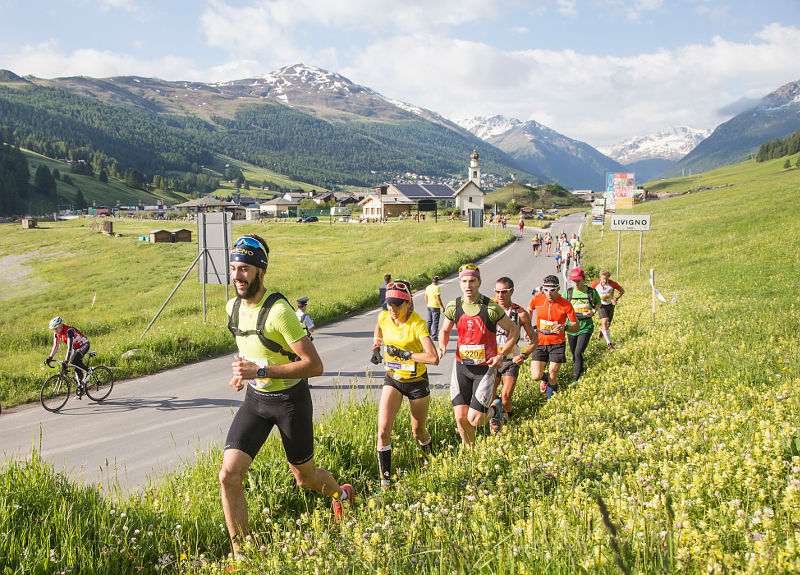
(474, 174)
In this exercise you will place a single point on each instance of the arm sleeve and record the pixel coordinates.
(56, 341)
(615, 285)
(570, 313)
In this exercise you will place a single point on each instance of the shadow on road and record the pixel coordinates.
(171, 403)
(347, 334)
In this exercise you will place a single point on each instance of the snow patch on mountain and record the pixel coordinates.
(486, 128)
(668, 144)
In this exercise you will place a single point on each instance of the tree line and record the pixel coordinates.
(779, 147)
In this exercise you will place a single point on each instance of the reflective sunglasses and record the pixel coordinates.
(468, 267)
(549, 289)
(251, 242)
(498, 291)
(398, 285)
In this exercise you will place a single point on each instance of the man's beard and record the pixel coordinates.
(251, 289)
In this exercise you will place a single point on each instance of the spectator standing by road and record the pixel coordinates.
(433, 300)
(305, 319)
(382, 290)
(274, 362)
(475, 318)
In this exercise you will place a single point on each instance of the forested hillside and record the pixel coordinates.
(779, 147)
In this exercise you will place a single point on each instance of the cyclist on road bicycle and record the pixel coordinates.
(77, 345)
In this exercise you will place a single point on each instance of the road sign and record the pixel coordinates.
(630, 223)
(598, 221)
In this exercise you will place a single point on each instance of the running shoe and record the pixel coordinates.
(496, 422)
(337, 505)
(543, 386)
(610, 346)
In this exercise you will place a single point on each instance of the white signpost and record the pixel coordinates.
(630, 223)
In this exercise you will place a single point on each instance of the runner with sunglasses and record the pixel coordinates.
(554, 316)
(408, 348)
(476, 318)
(508, 372)
(274, 362)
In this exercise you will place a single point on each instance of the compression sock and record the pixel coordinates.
(385, 463)
(546, 377)
(607, 335)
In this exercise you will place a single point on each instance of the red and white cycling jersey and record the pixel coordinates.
(78, 339)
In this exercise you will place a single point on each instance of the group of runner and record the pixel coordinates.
(567, 252)
(495, 337)
(276, 357)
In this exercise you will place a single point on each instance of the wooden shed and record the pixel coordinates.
(160, 236)
(29, 223)
(181, 235)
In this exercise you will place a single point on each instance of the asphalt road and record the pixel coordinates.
(154, 424)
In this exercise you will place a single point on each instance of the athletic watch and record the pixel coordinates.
(261, 373)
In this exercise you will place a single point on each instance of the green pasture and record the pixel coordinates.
(111, 287)
(678, 452)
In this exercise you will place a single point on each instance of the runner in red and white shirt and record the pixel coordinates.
(605, 288)
(77, 344)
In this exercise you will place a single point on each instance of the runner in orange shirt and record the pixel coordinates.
(553, 316)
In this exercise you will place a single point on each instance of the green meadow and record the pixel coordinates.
(678, 452)
(112, 287)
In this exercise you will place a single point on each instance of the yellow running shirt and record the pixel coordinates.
(281, 326)
(407, 336)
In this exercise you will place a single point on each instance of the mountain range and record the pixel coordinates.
(319, 127)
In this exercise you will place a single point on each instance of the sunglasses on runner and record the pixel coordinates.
(398, 285)
(503, 290)
(251, 242)
(549, 290)
(468, 267)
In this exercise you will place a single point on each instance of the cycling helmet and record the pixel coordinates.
(55, 322)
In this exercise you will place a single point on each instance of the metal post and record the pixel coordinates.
(641, 235)
(653, 294)
(226, 243)
(619, 240)
(172, 294)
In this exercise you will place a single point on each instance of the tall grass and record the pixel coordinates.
(679, 452)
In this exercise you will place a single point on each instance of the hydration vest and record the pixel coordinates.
(477, 339)
(502, 335)
(233, 325)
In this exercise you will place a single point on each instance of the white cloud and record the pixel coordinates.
(520, 30)
(566, 7)
(599, 99)
(127, 5)
(46, 60)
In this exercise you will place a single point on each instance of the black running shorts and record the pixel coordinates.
(289, 409)
(417, 389)
(554, 353)
(472, 385)
(606, 311)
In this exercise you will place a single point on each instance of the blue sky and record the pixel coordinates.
(594, 70)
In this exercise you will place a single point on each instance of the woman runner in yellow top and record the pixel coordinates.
(408, 348)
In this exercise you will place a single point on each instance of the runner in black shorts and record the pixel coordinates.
(509, 368)
(475, 318)
(275, 359)
(408, 349)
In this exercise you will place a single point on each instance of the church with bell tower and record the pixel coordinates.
(470, 195)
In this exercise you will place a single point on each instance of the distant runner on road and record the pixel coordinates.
(553, 316)
(605, 287)
(475, 318)
(508, 372)
(408, 347)
(586, 304)
(275, 360)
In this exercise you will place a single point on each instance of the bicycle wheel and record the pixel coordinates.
(100, 383)
(55, 392)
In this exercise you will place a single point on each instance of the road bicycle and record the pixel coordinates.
(56, 390)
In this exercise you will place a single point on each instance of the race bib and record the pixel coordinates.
(581, 307)
(547, 327)
(472, 354)
(399, 365)
(260, 384)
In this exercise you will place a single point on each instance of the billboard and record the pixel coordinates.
(620, 187)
